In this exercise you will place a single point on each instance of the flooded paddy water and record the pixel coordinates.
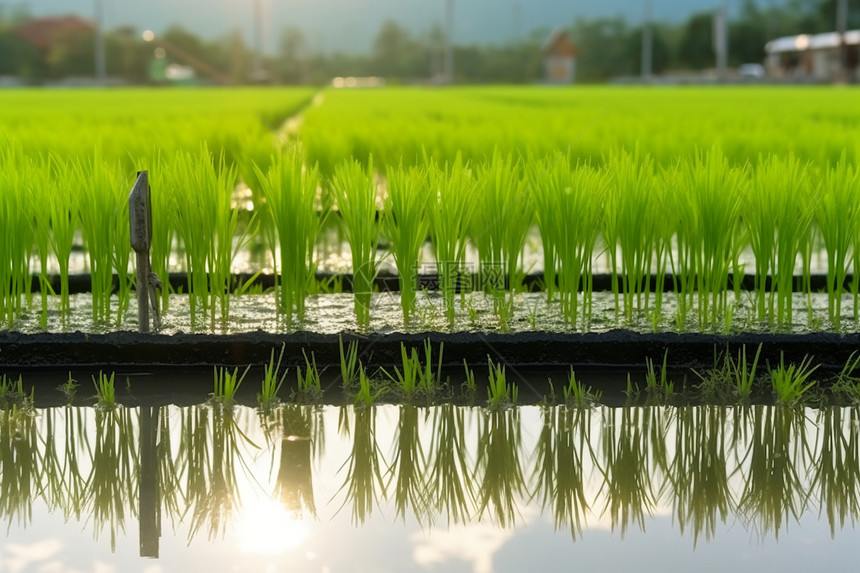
(167, 487)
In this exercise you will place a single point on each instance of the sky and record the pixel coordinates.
(351, 25)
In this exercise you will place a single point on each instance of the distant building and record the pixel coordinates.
(815, 57)
(45, 33)
(559, 59)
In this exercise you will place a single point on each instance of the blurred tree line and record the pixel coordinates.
(607, 47)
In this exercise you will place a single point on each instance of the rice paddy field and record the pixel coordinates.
(416, 312)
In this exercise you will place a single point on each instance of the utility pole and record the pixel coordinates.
(100, 63)
(449, 41)
(257, 74)
(647, 43)
(721, 39)
(841, 27)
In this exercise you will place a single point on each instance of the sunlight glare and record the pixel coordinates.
(265, 527)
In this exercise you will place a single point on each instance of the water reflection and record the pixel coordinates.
(209, 470)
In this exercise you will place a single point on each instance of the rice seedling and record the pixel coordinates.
(778, 213)
(309, 383)
(290, 192)
(103, 201)
(273, 379)
(355, 191)
(407, 379)
(15, 235)
(69, 388)
(12, 394)
(105, 389)
(847, 383)
(226, 384)
(405, 224)
(469, 383)
(662, 386)
(499, 392)
(632, 228)
(365, 394)
(791, 383)
(201, 187)
(348, 361)
(707, 195)
(838, 222)
(578, 394)
(569, 206)
(500, 222)
(451, 206)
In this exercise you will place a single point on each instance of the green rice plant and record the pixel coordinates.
(226, 384)
(289, 189)
(847, 383)
(837, 221)
(16, 239)
(365, 394)
(778, 213)
(42, 187)
(500, 222)
(64, 213)
(499, 393)
(469, 384)
(355, 190)
(12, 394)
(309, 382)
(790, 383)
(662, 386)
(105, 389)
(428, 379)
(348, 361)
(707, 195)
(273, 379)
(578, 394)
(164, 222)
(569, 205)
(451, 206)
(201, 186)
(69, 388)
(405, 223)
(406, 380)
(632, 228)
(743, 377)
(103, 207)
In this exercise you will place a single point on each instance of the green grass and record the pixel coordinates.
(499, 393)
(578, 394)
(309, 383)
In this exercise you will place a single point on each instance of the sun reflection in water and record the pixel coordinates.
(265, 527)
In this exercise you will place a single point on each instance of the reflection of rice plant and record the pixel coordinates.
(578, 394)
(105, 389)
(791, 383)
(273, 379)
(499, 393)
(226, 384)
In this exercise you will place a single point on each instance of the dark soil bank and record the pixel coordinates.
(616, 348)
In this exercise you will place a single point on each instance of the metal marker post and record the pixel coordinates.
(140, 220)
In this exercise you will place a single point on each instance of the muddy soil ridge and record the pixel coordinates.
(619, 347)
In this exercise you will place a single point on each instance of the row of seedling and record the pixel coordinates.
(733, 377)
(692, 222)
